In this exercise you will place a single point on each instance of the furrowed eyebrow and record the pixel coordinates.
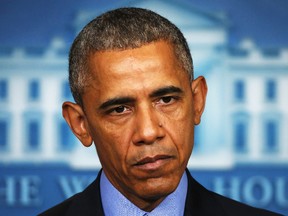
(166, 90)
(116, 101)
(125, 100)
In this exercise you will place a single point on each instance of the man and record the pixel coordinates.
(131, 75)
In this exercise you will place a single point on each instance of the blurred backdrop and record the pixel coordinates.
(241, 146)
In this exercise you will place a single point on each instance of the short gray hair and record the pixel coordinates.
(120, 29)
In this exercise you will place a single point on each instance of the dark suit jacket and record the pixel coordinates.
(199, 202)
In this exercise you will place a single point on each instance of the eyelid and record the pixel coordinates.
(168, 90)
(112, 110)
(173, 98)
(114, 102)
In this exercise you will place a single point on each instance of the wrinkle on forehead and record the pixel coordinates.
(132, 57)
(140, 70)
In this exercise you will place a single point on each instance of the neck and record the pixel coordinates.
(147, 204)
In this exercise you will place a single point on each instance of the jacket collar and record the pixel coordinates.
(88, 202)
(199, 200)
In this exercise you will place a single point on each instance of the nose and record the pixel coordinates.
(148, 126)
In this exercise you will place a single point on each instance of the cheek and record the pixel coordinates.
(182, 135)
(112, 144)
(180, 128)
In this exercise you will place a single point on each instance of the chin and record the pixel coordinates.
(157, 188)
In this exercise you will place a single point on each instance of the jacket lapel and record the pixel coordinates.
(200, 201)
(89, 201)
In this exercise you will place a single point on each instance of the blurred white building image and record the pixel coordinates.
(245, 121)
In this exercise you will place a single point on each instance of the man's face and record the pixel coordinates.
(140, 113)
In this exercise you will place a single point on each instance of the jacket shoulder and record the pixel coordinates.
(61, 208)
(87, 202)
(233, 207)
(201, 201)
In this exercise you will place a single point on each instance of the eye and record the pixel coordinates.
(119, 110)
(166, 100)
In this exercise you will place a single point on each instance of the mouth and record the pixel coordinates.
(153, 163)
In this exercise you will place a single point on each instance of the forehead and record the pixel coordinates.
(146, 67)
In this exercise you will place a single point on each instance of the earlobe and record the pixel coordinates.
(199, 91)
(75, 118)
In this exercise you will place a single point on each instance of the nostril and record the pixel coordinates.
(148, 137)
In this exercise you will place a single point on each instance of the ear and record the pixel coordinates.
(199, 92)
(75, 118)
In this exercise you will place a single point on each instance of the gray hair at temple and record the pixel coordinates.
(120, 29)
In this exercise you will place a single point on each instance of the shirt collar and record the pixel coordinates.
(114, 203)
